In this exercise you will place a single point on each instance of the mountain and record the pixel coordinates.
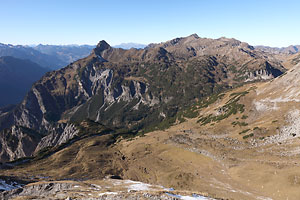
(238, 144)
(16, 78)
(213, 117)
(292, 49)
(65, 53)
(285, 54)
(130, 45)
(134, 89)
(49, 56)
(291, 60)
(28, 53)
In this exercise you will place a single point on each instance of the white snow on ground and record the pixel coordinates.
(137, 186)
(5, 186)
(194, 197)
(107, 193)
(76, 186)
(264, 198)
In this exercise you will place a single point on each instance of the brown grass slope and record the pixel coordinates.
(243, 146)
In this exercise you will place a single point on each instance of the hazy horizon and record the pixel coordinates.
(124, 43)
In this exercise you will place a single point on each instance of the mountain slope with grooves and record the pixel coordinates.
(242, 144)
(137, 88)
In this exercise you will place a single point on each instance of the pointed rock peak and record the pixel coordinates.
(102, 45)
(194, 36)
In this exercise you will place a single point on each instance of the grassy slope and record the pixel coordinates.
(214, 158)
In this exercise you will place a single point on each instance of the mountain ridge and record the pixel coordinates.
(222, 131)
(130, 45)
(292, 49)
(137, 88)
(49, 56)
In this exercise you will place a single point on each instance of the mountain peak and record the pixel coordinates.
(101, 46)
(194, 36)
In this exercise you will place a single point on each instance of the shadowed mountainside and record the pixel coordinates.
(16, 78)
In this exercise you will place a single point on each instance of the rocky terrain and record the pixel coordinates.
(136, 89)
(233, 134)
(105, 189)
(242, 144)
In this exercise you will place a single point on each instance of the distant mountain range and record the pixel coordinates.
(130, 45)
(16, 78)
(292, 49)
(49, 56)
(66, 53)
(21, 66)
(58, 56)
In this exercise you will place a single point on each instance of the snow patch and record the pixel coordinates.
(137, 186)
(194, 197)
(108, 193)
(76, 186)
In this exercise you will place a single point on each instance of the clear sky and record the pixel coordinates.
(258, 22)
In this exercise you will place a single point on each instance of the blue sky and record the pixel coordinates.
(265, 22)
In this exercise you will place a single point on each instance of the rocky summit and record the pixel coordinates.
(198, 116)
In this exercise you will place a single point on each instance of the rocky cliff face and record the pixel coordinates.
(18, 141)
(132, 88)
